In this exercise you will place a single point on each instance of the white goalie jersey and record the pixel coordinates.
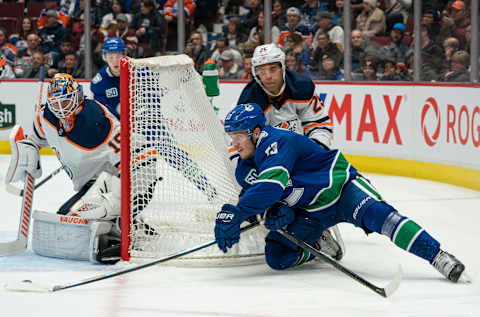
(85, 147)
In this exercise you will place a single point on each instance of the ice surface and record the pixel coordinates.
(449, 213)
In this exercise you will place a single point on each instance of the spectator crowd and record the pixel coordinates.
(309, 31)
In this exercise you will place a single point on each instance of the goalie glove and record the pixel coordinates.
(25, 157)
(98, 204)
(101, 207)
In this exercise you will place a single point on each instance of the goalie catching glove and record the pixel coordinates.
(101, 201)
(25, 157)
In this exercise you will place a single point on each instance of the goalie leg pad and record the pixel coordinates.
(65, 237)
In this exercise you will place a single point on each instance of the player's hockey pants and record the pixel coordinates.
(360, 205)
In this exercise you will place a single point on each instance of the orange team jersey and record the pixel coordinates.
(62, 18)
(171, 8)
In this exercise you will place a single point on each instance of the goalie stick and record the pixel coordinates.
(19, 245)
(386, 291)
(29, 286)
(14, 190)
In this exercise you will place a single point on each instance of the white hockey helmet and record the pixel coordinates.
(267, 54)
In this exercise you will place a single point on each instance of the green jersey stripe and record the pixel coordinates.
(413, 239)
(405, 233)
(270, 181)
(339, 174)
(367, 188)
(276, 174)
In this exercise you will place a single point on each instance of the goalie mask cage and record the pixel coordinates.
(175, 170)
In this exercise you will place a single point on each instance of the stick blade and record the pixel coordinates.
(28, 286)
(395, 283)
(8, 248)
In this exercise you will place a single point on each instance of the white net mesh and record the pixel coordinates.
(180, 173)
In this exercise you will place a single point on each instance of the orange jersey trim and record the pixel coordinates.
(39, 124)
(314, 125)
(144, 156)
(296, 101)
(268, 109)
(84, 148)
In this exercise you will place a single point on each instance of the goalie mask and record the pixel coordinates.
(245, 117)
(64, 95)
(268, 54)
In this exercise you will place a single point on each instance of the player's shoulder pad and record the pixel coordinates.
(270, 140)
(301, 87)
(97, 78)
(252, 92)
(93, 126)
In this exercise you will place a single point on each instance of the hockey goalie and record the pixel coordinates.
(85, 137)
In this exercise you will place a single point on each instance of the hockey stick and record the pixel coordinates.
(14, 190)
(7, 248)
(385, 291)
(29, 286)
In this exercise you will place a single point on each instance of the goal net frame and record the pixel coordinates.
(236, 256)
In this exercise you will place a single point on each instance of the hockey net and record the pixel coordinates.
(175, 170)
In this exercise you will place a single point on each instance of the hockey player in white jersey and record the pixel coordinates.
(85, 137)
(305, 189)
(289, 101)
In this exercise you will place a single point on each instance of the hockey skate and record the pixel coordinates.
(448, 265)
(328, 245)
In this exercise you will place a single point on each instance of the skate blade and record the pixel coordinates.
(465, 278)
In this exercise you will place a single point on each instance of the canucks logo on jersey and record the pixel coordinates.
(251, 176)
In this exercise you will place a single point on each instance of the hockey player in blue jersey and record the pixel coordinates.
(289, 101)
(105, 85)
(307, 188)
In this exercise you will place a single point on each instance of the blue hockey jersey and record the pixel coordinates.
(106, 89)
(290, 167)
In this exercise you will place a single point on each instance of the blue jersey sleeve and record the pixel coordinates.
(98, 94)
(275, 158)
(246, 173)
